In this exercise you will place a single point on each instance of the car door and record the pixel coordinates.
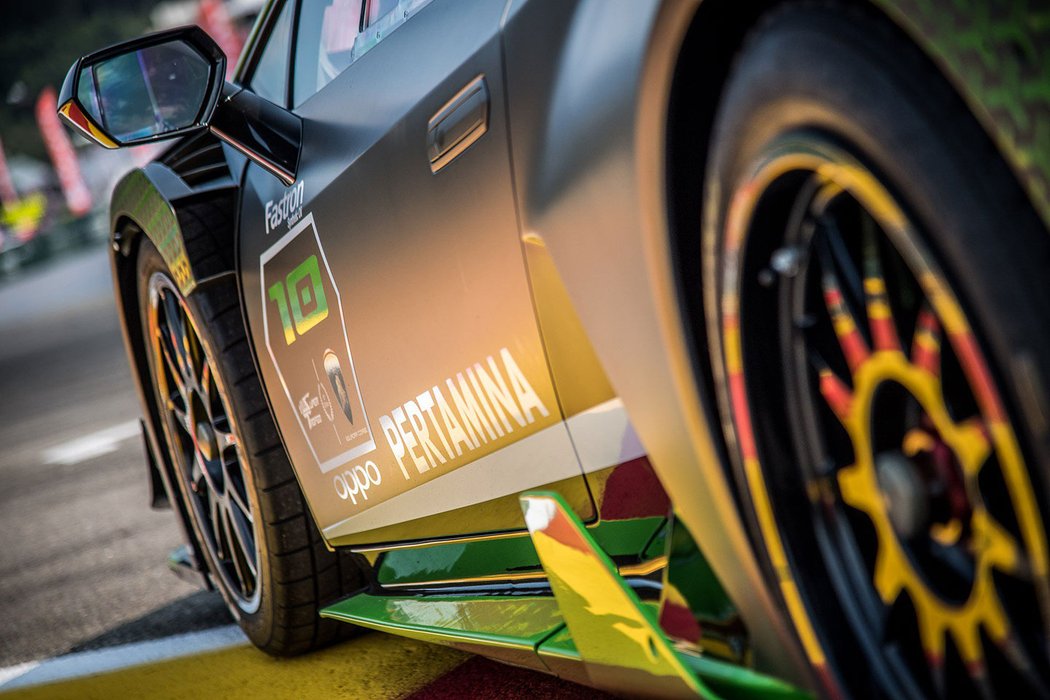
(386, 289)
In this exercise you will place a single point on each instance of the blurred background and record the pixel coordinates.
(54, 186)
(82, 557)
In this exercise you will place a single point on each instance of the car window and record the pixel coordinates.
(378, 9)
(324, 47)
(270, 77)
(332, 34)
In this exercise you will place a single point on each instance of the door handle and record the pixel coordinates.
(458, 124)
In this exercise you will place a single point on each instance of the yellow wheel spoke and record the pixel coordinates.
(931, 631)
(854, 347)
(859, 488)
(888, 580)
(880, 315)
(947, 534)
(926, 345)
(917, 441)
(838, 396)
(973, 446)
(994, 544)
(206, 380)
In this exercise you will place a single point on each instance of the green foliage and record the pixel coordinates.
(40, 39)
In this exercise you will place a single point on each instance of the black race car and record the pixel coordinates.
(671, 347)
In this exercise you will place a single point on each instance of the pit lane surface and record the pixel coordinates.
(86, 602)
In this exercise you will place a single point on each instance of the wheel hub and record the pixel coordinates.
(950, 507)
(906, 498)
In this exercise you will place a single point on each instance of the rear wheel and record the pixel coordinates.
(262, 549)
(873, 274)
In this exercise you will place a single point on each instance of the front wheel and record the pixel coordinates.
(872, 274)
(262, 549)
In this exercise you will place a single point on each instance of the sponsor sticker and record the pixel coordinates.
(355, 482)
(479, 405)
(287, 209)
(307, 340)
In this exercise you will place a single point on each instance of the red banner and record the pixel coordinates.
(78, 198)
(214, 19)
(8, 194)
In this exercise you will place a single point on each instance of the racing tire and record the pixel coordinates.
(874, 287)
(262, 549)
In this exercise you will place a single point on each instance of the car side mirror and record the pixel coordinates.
(156, 87)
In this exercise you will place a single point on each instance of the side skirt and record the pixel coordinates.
(585, 622)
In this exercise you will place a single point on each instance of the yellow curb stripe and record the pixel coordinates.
(369, 666)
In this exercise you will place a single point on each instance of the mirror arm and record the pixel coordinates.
(267, 134)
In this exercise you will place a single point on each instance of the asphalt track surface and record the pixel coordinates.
(87, 606)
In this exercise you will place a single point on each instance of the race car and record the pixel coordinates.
(674, 348)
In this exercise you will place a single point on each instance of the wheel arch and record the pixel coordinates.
(147, 204)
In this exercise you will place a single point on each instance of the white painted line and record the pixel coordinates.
(92, 445)
(90, 663)
(10, 672)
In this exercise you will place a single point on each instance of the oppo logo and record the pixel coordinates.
(356, 482)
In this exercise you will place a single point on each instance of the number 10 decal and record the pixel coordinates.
(302, 296)
(306, 338)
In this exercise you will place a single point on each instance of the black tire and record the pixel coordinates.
(843, 83)
(295, 574)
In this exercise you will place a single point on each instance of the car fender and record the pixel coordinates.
(148, 199)
(145, 203)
